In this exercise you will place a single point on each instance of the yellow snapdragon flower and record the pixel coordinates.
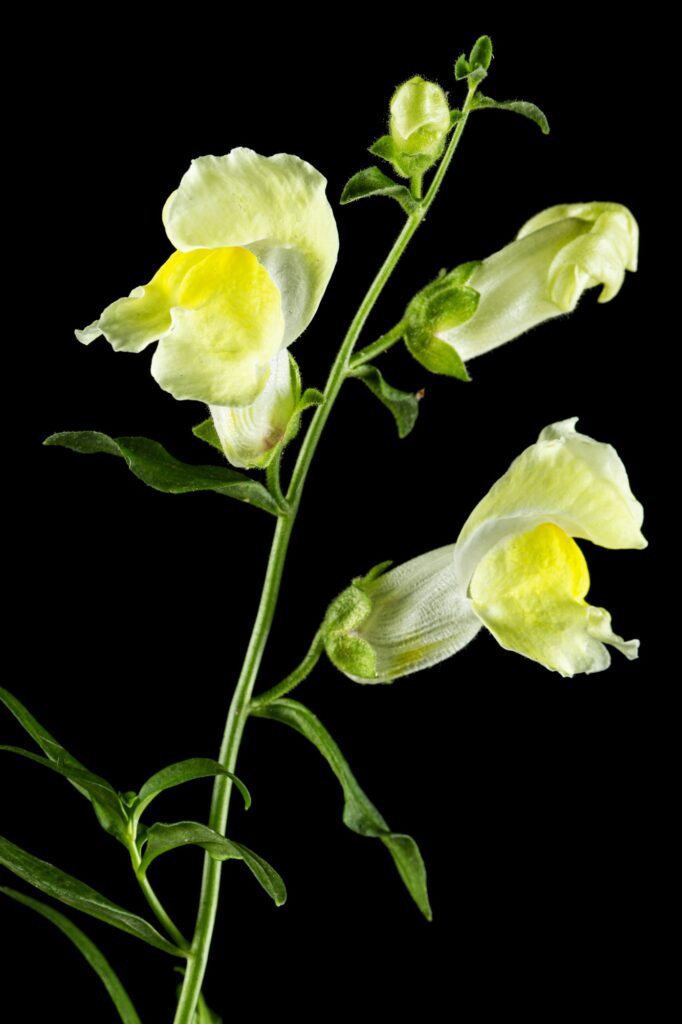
(515, 569)
(256, 243)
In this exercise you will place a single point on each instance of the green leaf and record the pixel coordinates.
(455, 116)
(87, 947)
(109, 815)
(152, 464)
(161, 838)
(97, 789)
(56, 883)
(481, 53)
(207, 432)
(185, 771)
(373, 182)
(522, 107)
(462, 68)
(436, 355)
(403, 405)
(359, 814)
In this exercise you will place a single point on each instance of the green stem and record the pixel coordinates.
(378, 346)
(239, 707)
(153, 900)
(294, 678)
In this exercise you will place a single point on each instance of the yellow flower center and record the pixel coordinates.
(529, 590)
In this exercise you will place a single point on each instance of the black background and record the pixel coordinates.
(531, 796)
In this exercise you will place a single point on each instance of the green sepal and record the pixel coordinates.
(374, 573)
(373, 182)
(436, 355)
(444, 303)
(385, 148)
(403, 405)
(359, 813)
(151, 463)
(462, 68)
(56, 883)
(310, 398)
(443, 307)
(529, 110)
(98, 790)
(405, 164)
(162, 838)
(207, 432)
(109, 811)
(349, 653)
(180, 772)
(481, 53)
(90, 951)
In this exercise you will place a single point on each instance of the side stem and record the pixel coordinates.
(239, 707)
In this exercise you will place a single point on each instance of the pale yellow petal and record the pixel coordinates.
(529, 591)
(419, 615)
(566, 478)
(276, 207)
(130, 324)
(226, 326)
(250, 433)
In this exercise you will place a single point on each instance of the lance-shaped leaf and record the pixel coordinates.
(97, 789)
(403, 405)
(359, 813)
(522, 107)
(152, 464)
(373, 182)
(103, 797)
(160, 838)
(56, 883)
(184, 771)
(90, 951)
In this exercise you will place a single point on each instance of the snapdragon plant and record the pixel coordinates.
(255, 245)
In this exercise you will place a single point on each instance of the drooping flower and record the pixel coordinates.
(256, 244)
(515, 569)
(555, 257)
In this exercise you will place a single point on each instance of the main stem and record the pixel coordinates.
(239, 707)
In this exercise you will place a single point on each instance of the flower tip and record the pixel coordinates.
(88, 333)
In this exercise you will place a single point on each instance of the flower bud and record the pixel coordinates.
(556, 256)
(420, 121)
